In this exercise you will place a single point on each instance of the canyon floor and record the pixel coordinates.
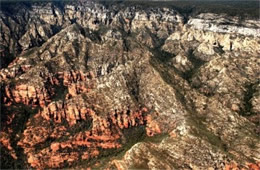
(91, 85)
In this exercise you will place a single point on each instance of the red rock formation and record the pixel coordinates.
(253, 166)
(61, 110)
(78, 88)
(59, 131)
(47, 159)
(28, 95)
(85, 156)
(5, 141)
(130, 119)
(104, 134)
(235, 166)
(152, 127)
(55, 147)
(76, 81)
(74, 77)
(54, 156)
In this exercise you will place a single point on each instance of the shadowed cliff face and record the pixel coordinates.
(85, 85)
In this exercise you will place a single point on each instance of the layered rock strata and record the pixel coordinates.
(85, 82)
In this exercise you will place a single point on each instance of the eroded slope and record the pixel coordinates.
(91, 83)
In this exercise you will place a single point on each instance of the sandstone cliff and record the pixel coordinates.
(88, 85)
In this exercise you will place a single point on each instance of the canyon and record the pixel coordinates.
(89, 85)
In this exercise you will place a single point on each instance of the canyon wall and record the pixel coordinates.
(86, 85)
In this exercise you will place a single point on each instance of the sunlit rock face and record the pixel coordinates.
(221, 23)
(84, 85)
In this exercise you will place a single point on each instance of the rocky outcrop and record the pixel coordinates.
(255, 98)
(70, 112)
(90, 82)
(49, 19)
(210, 42)
(74, 77)
(5, 141)
(104, 134)
(73, 111)
(163, 156)
(14, 71)
(28, 95)
(221, 24)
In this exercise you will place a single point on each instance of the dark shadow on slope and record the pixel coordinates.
(196, 62)
(18, 125)
(196, 120)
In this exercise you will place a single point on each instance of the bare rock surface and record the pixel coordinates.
(85, 85)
